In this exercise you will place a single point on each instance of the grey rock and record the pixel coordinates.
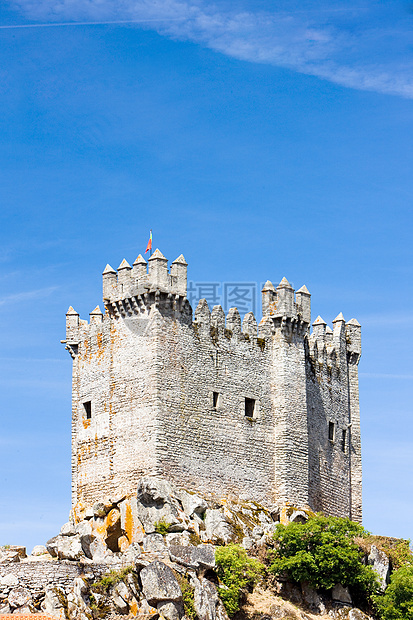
(208, 605)
(217, 527)
(39, 550)
(9, 580)
(120, 596)
(19, 597)
(171, 610)
(51, 546)
(178, 538)
(341, 594)
(69, 548)
(312, 598)
(98, 551)
(193, 557)
(7, 556)
(356, 614)
(100, 509)
(5, 609)
(159, 583)
(83, 528)
(68, 529)
(154, 491)
(154, 543)
(257, 532)
(52, 603)
(89, 513)
(26, 609)
(192, 503)
(132, 554)
(380, 563)
(156, 502)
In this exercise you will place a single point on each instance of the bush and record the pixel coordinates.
(397, 602)
(322, 552)
(237, 572)
(161, 527)
(112, 578)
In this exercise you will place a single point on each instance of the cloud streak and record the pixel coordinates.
(350, 51)
(27, 295)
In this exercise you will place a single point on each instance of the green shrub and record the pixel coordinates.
(397, 602)
(112, 578)
(237, 572)
(322, 552)
(161, 527)
(187, 597)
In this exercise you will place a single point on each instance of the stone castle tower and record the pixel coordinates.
(229, 408)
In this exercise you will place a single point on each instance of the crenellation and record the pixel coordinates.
(225, 407)
(233, 322)
(285, 306)
(249, 325)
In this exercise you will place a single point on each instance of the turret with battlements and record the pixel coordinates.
(246, 407)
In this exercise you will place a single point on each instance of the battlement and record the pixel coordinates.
(145, 277)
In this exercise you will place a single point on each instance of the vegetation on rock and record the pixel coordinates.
(397, 602)
(323, 552)
(238, 573)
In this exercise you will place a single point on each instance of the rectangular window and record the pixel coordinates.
(343, 441)
(215, 398)
(331, 431)
(249, 407)
(88, 409)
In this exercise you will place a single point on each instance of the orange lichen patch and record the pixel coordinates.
(272, 308)
(78, 512)
(133, 609)
(85, 422)
(129, 522)
(101, 349)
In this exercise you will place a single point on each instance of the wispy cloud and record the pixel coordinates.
(337, 46)
(39, 293)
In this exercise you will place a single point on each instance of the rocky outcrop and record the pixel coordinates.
(136, 557)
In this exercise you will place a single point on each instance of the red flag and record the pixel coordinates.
(149, 246)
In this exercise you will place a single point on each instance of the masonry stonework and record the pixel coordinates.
(215, 404)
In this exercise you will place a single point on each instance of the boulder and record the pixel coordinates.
(312, 599)
(171, 610)
(52, 604)
(51, 546)
(156, 503)
(178, 538)
(19, 597)
(132, 554)
(7, 555)
(193, 557)
(9, 580)
(98, 551)
(380, 563)
(217, 528)
(159, 583)
(69, 548)
(208, 605)
(192, 503)
(341, 594)
(68, 529)
(130, 522)
(120, 596)
(154, 543)
(39, 550)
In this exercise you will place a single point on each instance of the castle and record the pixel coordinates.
(224, 407)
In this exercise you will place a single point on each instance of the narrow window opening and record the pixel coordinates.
(215, 397)
(343, 441)
(331, 431)
(249, 407)
(88, 409)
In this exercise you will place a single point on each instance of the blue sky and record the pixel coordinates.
(260, 139)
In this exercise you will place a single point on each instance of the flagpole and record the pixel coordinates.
(150, 251)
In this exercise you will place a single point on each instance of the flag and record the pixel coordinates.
(149, 246)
